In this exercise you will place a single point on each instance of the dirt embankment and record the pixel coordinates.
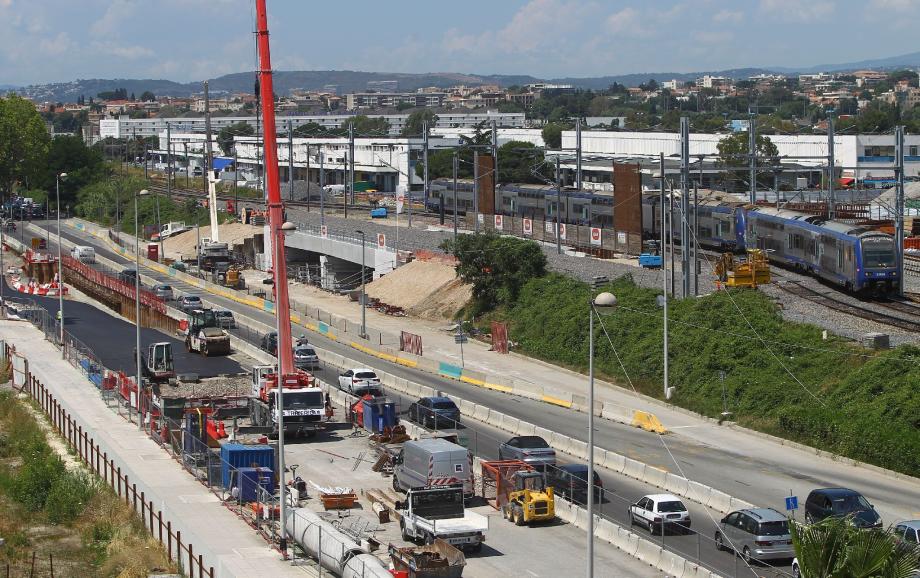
(183, 244)
(428, 289)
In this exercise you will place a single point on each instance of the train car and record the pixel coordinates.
(720, 221)
(856, 258)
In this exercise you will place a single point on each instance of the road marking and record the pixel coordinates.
(532, 573)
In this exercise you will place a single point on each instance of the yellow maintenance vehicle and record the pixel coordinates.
(749, 272)
(520, 491)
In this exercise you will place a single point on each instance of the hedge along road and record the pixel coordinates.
(761, 480)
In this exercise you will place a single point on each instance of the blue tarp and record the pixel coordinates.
(220, 163)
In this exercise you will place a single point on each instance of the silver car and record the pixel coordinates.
(757, 534)
(532, 450)
(305, 357)
(164, 292)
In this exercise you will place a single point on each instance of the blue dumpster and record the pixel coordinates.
(379, 213)
(379, 413)
(235, 456)
(252, 480)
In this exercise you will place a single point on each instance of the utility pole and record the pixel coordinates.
(899, 206)
(558, 211)
(351, 161)
(671, 233)
(168, 161)
(476, 187)
(664, 284)
(322, 184)
(425, 164)
(495, 154)
(291, 161)
(456, 162)
(696, 231)
(685, 203)
(831, 201)
(752, 157)
(187, 164)
(345, 183)
(146, 174)
(309, 179)
(578, 154)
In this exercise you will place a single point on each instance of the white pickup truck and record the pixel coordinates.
(433, 513)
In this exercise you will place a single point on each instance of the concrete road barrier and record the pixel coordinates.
(543, 433)
(606, 530)
(563, 399)
(720, 501)
(481, 413)
(466, 407)
(614, 461)
(579, 450)
(672, 564)
(510, 424)
(526, 429)
(698, 492)
(528, 390)
(649, 552)
(634, 469)
(561, 443)
(628, 541)
(677, 485)
(655, 476)
(649, 422)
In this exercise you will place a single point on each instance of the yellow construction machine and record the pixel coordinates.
(520, 491)
(746, 272)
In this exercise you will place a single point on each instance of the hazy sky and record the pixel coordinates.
(60, 40)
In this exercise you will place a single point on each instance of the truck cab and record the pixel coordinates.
(304, 404)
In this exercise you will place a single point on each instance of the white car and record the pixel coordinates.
(658, 511)
(357, 378)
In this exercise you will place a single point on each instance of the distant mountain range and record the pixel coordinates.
(356, 81)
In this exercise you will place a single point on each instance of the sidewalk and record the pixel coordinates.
(224, 541)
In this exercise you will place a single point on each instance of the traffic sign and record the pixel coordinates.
(498, 222)
(460, 338)
(528, 227)
(323, 231)
(381, 241)
(595, 235)
(792, 503)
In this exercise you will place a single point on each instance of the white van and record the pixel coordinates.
(433, 462)
(83, 254)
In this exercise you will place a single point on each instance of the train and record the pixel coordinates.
(856, 258)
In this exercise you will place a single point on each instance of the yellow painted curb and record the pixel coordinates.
(648, 422)
(557, 401)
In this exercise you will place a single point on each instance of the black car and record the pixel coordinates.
(571, 482)
(435, 412)
(128, 276)
(840, 503)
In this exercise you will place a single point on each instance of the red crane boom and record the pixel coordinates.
(273, 188)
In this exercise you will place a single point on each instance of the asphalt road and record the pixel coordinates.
(760, 480)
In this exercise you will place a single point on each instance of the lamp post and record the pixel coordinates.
(603, 304)
(363, 294)
(281, 317)
(57, 189)
(137, 303)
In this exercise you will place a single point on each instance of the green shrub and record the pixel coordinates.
(68, 497)
(780, 377)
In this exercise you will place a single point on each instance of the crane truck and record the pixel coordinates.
(304, 404)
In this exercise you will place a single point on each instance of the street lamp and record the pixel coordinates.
(603, 304)
(137, 302)
(363, 294)
(57, 187)
(281, 317)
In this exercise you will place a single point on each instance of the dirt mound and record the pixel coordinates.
(183, 244)
(427, 289)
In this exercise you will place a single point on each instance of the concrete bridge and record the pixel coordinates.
(337, 256)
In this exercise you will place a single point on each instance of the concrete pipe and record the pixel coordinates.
(335, 551)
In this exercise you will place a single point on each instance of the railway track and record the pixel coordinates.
(832, 302)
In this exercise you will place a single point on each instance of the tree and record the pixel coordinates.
(309, 129)
(521, 162)
(169, 111)
(69, 154)
(23, 142)
(148, 96)
(414, 124)
(117, 94)
(226, 134)
(367, 126)
(734, 151)
(836, 548)
(552, 135)
(441, 166)
(496, 266)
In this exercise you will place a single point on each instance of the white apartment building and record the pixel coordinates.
(124, 127)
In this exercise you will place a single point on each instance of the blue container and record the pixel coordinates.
(235, 456)
(379, 213)
(379, 413)
(650, 261)
(254, 479)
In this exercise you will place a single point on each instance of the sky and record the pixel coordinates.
(184, 40)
